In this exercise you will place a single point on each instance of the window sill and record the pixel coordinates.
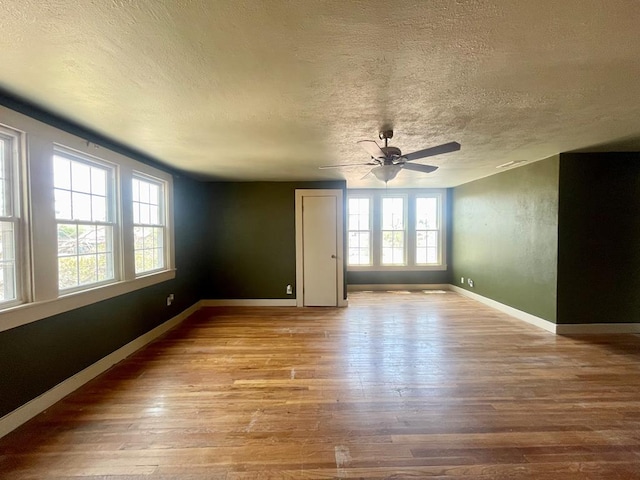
(31, 312)
(397, 268)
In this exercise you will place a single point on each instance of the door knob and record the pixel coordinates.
(333, 256)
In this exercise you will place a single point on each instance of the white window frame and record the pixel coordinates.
(369, 230)
(17, 198)
(41, 297)
(410, 195)
(404, 230)
(112, 221)
(439, 230)
(162, 215)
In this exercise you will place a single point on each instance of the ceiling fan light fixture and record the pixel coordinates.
(385, 173)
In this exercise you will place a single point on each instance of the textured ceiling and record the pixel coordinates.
(270, 90)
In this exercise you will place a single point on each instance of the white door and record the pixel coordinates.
(320, 251)
(319, 248)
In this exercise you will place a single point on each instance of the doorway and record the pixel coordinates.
(319, 248)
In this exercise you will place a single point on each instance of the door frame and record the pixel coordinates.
(340, 262)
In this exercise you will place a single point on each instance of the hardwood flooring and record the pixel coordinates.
(398, 385)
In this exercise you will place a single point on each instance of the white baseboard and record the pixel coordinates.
(596, 328)
(514, 312)
(26, 412)
(265, 302)
(396, 286)
(557, 328)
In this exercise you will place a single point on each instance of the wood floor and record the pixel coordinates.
(398, 385)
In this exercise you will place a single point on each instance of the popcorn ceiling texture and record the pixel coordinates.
(270, 90)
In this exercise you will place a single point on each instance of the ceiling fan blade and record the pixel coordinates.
(372, 149)
(324, 167)
(419, 168)
(430, 152)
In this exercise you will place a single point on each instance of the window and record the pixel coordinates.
(402, 229)
(148, 224)
(10, 238)
(84, 208)
(393, 234)
(427, 231)
(67, 232)
(359, 231)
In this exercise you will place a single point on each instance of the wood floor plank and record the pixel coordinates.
(398, 385)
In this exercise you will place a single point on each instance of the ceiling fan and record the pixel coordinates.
(388, 161)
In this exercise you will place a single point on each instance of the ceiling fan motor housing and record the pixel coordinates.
(391, 152)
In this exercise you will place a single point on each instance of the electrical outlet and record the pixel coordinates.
(462, 280)
(289, 290)
(169, 300)
(470, 283)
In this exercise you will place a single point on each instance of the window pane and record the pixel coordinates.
(136, 212)
(426, 213)
(136, 190)
(138, 238)
(432, 238)
(81, 206)
(393, 213)
(387, 239)
(144, 214)
(87, 242)
(149, 239)
(154, 194)
(5, 209)
(67, 272)
(98, 182)
(6, 176)
(354, 222)
(154, 215)
(427, 247)
(88, 269)
(105, 267)
(103, 237)
(393, 247)
(63, 204)
(7, 262)
(99, 209)
(61, 173)
(67, 240)
(359, 248)
(144, 192)
(80, 177)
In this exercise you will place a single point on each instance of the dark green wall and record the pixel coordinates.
(252, 238)
(37, 356)
(505, 233)
(599, 238)
(408, 277)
